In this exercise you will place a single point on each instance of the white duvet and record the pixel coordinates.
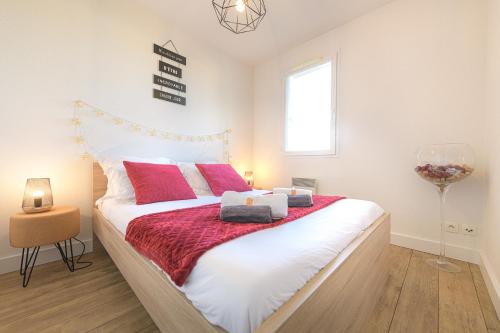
(238, 284)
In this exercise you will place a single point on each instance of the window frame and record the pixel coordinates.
(333, 151)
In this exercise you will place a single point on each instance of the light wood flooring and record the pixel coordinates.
(417, 298)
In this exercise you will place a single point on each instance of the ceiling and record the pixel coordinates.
(287, 23)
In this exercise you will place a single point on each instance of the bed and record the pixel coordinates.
(338, 298)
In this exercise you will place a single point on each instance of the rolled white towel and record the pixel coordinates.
(277, 202)
(288, 191)
(232, 198)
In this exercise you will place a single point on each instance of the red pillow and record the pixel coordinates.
(157, 182)
(222, 177)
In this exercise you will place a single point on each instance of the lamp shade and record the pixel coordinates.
(239, 16)
(37, 195)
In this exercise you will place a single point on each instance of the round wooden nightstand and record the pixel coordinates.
(30, 231)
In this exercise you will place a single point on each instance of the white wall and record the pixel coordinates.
(412, 72)
(490, 245)
(56, 51)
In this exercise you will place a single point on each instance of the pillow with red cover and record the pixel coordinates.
(157, 182)
(222, 178)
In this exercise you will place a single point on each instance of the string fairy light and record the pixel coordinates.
(85, 156)
(117, 121)
(76, 121)
(135, 128)
(79, 140)
(79, 107)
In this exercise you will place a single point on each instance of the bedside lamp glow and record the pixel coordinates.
(37, 195)
(249, 177)
(37, 198)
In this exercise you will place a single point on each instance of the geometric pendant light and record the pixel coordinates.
(239, 16)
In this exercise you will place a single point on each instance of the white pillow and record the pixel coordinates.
(194, 178)
(119, 185)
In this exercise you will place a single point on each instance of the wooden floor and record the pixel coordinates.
(97, 299)
(419, 298)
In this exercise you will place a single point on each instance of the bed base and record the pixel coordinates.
(339, 298)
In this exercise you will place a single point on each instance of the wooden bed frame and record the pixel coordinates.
(339, 298)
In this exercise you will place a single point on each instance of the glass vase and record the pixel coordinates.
(443, 165)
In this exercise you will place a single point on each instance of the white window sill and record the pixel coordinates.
(327, 154)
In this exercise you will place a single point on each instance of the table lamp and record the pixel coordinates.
(37, 195)
(249, 177)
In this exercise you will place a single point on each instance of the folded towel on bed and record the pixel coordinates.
(232, 198)
(294, 192)
(287, 190)
(277, 202)
(300, 200)
(246, 214)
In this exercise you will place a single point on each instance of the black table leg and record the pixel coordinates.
(27, 264)
(68, 260)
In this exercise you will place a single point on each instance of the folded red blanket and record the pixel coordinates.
(175, 240)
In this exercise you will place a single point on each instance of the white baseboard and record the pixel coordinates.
(431, 246)
(492, 282)
(46, 254)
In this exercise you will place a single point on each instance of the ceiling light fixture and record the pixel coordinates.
(239, 16)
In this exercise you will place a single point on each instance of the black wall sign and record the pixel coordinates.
(169, 83)
(169, 54)
(169, 97)
(164, 66)
(169, 69)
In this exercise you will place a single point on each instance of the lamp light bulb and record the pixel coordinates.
(240, 6)
(38, 194)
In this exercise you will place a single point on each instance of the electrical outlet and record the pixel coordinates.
(468, 229)
(451, 227)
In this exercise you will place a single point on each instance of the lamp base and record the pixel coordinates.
(443, 265)
(32, 210)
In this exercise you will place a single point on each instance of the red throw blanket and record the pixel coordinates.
(175, 240)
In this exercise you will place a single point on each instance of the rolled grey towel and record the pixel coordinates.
(246, 214)
(300, 200)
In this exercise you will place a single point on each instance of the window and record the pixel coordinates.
(310, 121)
